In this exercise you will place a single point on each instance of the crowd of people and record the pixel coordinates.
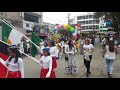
(51, 51)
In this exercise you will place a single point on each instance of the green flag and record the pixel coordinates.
(35, 39)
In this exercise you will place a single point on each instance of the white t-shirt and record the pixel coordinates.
(88, 48)
(81, 42)
(108, 54)
(16, 66)
(46, 61)
(53, 51)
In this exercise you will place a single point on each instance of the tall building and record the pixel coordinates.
(88, 22)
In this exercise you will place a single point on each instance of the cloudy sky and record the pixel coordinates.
(59, 17)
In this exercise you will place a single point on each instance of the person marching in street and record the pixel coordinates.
(14, 63)
(109, 54)
(88, 49)
(46, 61)
(70, 67)
(53, 52)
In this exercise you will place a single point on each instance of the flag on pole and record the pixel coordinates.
(35, 39)
(10, 35)
(55, 36)
(4, 55)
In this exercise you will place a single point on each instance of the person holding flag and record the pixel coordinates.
(46, 61)
(14, 63)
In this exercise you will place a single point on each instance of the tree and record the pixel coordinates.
(65, 33)
(114, 16)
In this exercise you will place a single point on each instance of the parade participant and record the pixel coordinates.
(88, 49)
(20, 46)
(41, 50)
(70, 67)
(110, 51)
(53, 53)
(15, 63)
(103, 42)
(60, 49)
(81, 45)
(78, 44)
(46, 61)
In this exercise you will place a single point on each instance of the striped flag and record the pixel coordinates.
(10, 35)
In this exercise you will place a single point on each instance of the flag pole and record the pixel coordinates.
(34, 59)
(20, 32)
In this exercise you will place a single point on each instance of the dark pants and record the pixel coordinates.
(87, 63)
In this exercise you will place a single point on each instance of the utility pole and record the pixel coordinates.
(68, 18)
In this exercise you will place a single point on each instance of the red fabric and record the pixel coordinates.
(44, 72)
(15, 74)
(3, 69)
(54, 63)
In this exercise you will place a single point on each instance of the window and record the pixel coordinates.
(97, 27)
(79, 17)
(87, 17)
(83, 22)
(94, 27)
(90, 27)
(27, 25)
(90, 16)
(83, 17)
(87, 22)
(97, 21)
(31, 18)
(90, 22)
(87, 27)
(83, 27)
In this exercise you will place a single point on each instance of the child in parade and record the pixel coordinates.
(14, 63)
(70, 59)
(46, 60)
(53, 52)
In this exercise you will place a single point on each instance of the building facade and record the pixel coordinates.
(88, 23)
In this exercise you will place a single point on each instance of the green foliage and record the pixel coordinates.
(65, 32)
(115, 16)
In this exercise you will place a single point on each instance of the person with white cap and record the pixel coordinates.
(46, 60)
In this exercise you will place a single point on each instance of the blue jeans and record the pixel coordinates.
(109, 66)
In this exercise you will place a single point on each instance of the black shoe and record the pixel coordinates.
(87, 74)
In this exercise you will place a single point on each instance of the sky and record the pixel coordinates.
(59, 17)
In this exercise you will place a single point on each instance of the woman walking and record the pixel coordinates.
(70, 59)
(88, 49)
(110, 51)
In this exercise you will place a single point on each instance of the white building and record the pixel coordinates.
(88, 22)
(30, 19)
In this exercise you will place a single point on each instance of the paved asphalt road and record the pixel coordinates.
(32, 69)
